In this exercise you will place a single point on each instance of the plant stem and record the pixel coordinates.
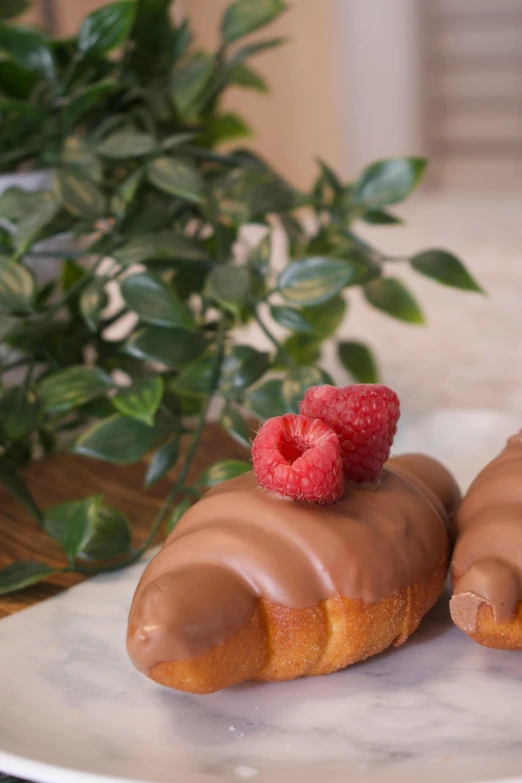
(282, 351)
(376, 256)
(178, 485)
(395, 259)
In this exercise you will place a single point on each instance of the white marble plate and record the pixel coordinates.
(73, 710)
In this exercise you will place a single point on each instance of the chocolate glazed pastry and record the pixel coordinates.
(487, 562)
(252, 586)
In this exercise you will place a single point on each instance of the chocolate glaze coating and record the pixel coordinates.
(241, 543)
(487, 561)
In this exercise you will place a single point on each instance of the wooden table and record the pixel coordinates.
(67, 477)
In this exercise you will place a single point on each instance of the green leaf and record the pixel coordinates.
(17, 288)
(141, 399)
(378, 217)
(359, 361)
(242, 366)
(8, 325)
(393, 298)
(93, 301)
(15, 80)
(445, 268)
(224, 128)
(266, 400)
(117, 439)
(260, 256)
(243, 76)
(229, 285)
(234, 424)
(177, 513)
(388, 182)
(71, 274)
(11, 8)
(32, 223)
(253, 49)
(80, 196)
(196, 378)
(107, 27)
(291, 319)
(324, 319)
(44, 293)
(177, 140)
(155, 302)
(222, 471)
(189, 82)
(30, 48)
(177, 178)
(15, 484)
(171, 347)
(87, 529)
(244, 17)
(15, 202)
(110, 536)
(126, 144)
(68, 389)
(128, 188)
(330, 178)
(162, 460)
(271, 195)
(180, 42)
(20, 412)
(77, 153)
(303, 348)
(296, 383)
(11, 109)
(162, 246)
(30, 210)
(152, 31)
(315, 280)
(24, 574)
(81, 102)
(99, 408)
(70, 524)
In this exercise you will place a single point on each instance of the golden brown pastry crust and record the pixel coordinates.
(281, 643)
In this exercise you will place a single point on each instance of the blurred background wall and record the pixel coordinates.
(363, 79)
(360, 80)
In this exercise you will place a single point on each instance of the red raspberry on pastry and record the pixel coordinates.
(297, 457)
(364, 416)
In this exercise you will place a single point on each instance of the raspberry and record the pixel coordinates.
(299, 458)
(364, 417)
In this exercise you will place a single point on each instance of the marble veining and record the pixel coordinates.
(439, 708)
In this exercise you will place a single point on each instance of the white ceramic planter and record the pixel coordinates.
(44, 267)
(28, 180)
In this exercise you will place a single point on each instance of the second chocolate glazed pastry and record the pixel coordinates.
(486, 567)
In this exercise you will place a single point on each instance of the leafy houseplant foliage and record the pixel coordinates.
(138, 179)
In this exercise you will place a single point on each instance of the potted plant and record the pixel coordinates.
(138, 178)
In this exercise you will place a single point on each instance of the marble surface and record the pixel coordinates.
(73, 710)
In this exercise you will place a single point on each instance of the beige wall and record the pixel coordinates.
(33, 16)
(300, 119)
